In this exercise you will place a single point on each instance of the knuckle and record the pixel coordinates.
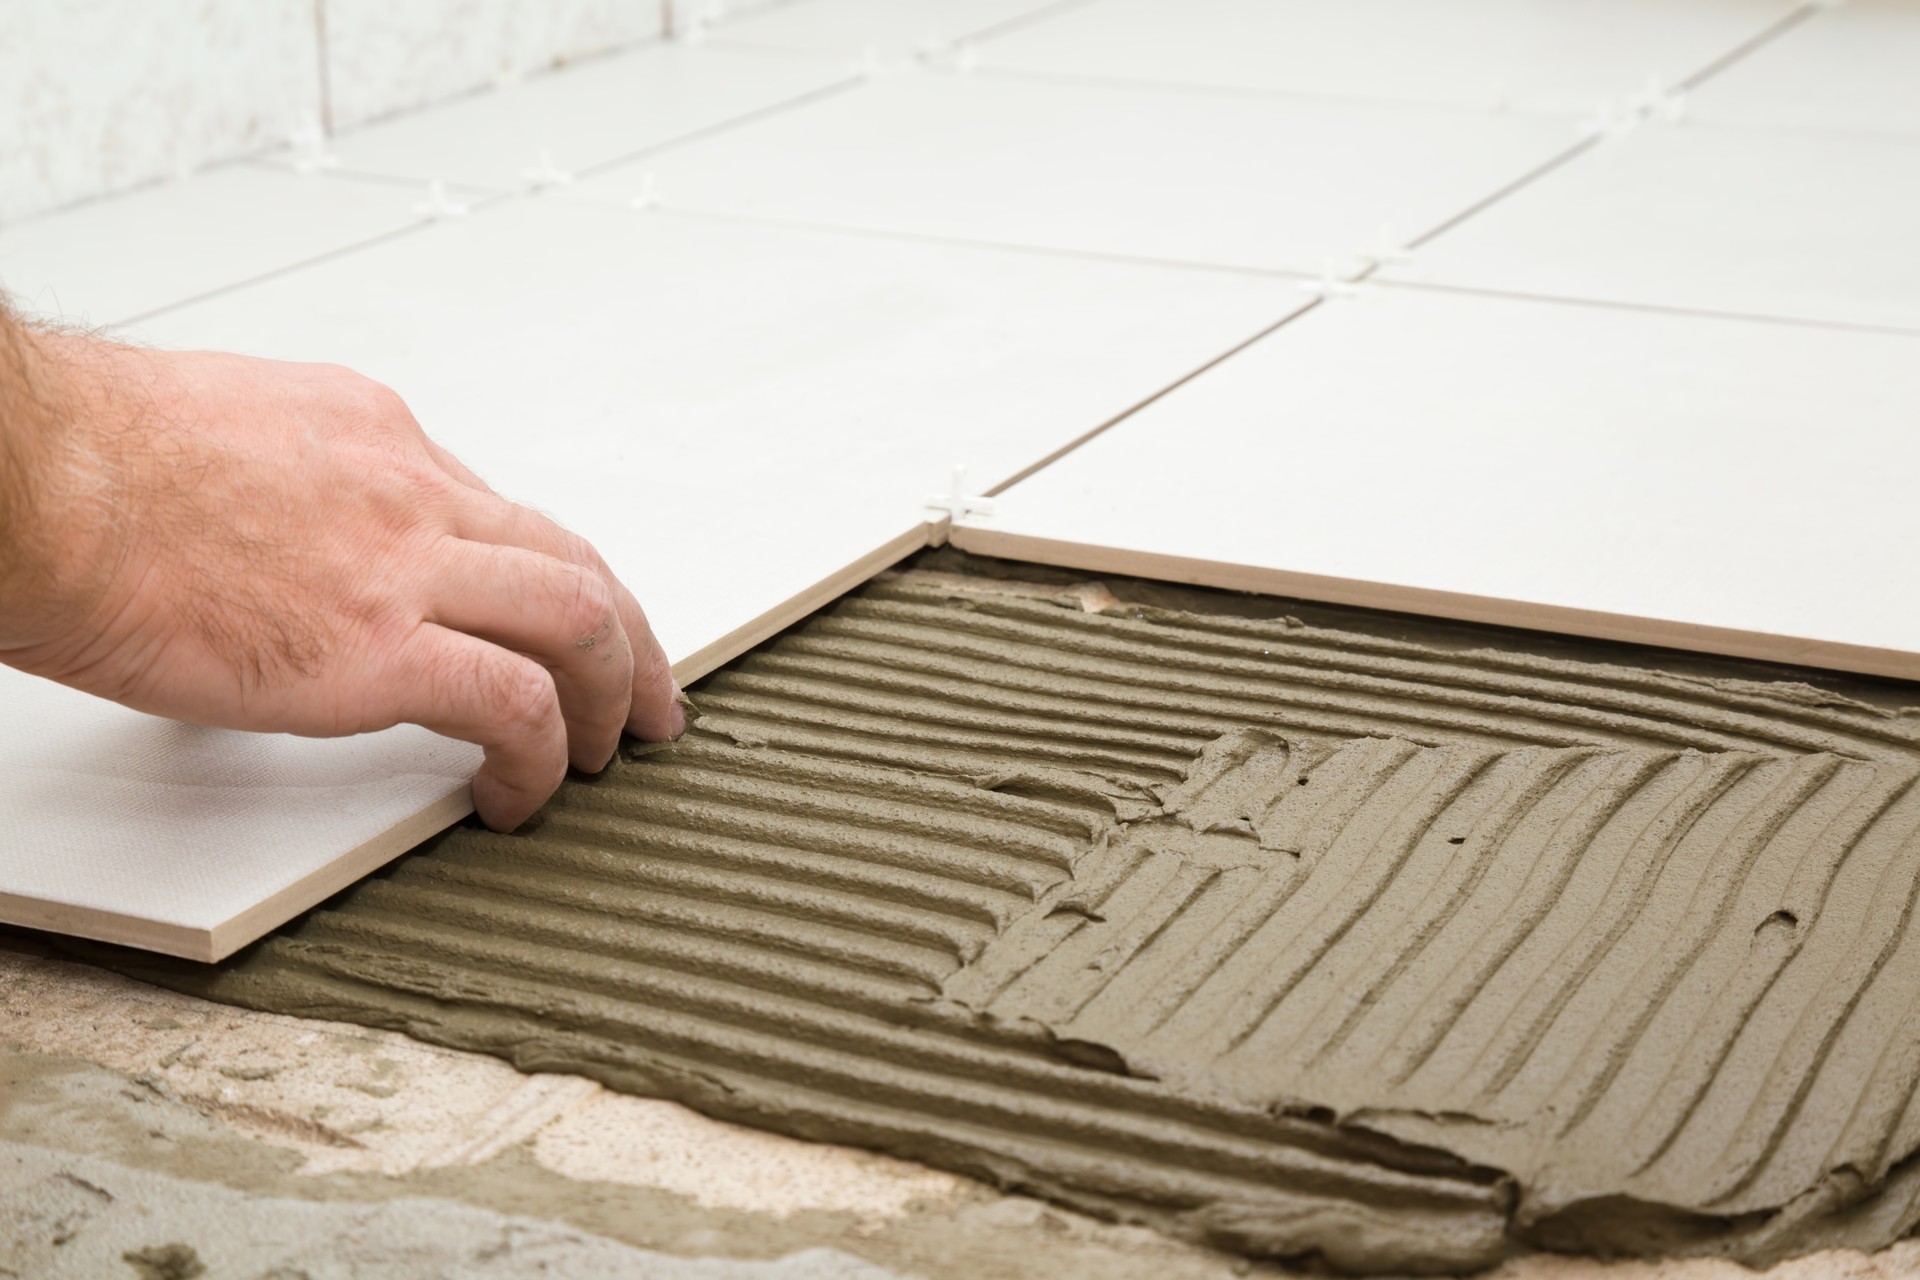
(383, 402)
(586, 607)
(407, 497)
(526, 700)
(574, 548)
(366, 400)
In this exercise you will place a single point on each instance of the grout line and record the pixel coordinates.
(235, 286)
(366, 177)
(1244, 92)
(1524, 180)
(1173, 386)
(487, 195)
(1654, 308)
(720, 37)
(1364, 275)
(324, 54)
(1045, 13)
(1578, 149)
(1751, 45)
(984, 246)
(497, 85)
(1894, 136)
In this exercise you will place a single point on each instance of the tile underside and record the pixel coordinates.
(1292, 938)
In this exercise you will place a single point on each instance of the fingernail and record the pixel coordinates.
(677, 713)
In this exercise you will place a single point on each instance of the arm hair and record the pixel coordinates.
(24, 421)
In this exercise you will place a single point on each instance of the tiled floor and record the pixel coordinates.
(1489, 55)
(112, 261)
(1809, 226)
(546, 130)
(1124, 171)
(1529, 460)
(1846, 66)
(865, 31)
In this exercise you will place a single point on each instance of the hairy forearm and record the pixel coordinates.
(19, 430)
(55, 533)
(28, 429)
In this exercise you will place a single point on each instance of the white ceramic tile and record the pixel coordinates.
(546, 128)
(1715, 484)
(384, 57)
(886, 30)
(691, 393)
(112, 260)
(1808, 226)
(1144, 173)
(1848, 66)
(101, 95)
(1563, 55)
(97, 799)
(732, 413)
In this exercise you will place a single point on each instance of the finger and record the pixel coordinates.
(654, 710)
(463, 687)
(557, 613)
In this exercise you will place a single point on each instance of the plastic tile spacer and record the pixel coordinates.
(1651, 91)
(1329, 284)
(309, 145)
(960, 57)
(957, 502)
(699, 22)
(1609, 121)
(1656, 102)
(648, 196)
(439, 204)
(545, 173)
(1385, 249)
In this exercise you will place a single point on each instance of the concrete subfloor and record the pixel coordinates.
(154, 1135)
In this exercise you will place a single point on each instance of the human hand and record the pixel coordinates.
(269, 546)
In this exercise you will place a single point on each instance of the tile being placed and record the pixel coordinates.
(1804, 226)
(1136, 173)
(113, 260)
(1554, 55)
(1705, 483)
(109, 94)
(132, 828)
(544, 130)
(1848, 66)
(384, 57)
(879, 30)
(746, 420)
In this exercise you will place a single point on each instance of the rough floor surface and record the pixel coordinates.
(1323, 939)
(67, 1216)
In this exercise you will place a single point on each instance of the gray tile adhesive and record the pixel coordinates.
(1400, 949)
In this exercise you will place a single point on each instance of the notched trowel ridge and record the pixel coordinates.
(1305, 940)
